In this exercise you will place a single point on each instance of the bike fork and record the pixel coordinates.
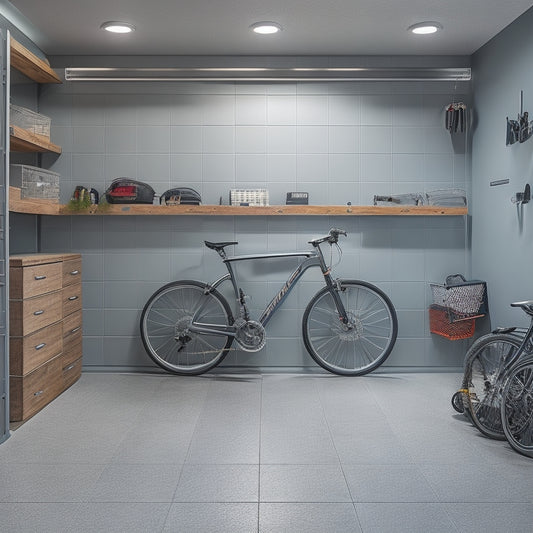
(334, 289)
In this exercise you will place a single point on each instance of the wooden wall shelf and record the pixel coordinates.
(46, 207)
(22, 140)
(30, 65)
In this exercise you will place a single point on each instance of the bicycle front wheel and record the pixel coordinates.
(485, 364)
(165, 323)
(517, 408)
(355, 348)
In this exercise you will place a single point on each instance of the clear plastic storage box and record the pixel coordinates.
(251, 197)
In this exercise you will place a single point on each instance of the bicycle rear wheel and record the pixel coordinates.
(517, 408)
(362, 345)
(485, 364)
(165, 324)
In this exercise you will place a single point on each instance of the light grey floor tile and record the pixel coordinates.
(136, 483)
(308, 518)
(378, 450)
(118, 518)
(303, 483)
(388, 483)
(47, 483)
(227, 430)
(486, 483)
(297, 444)
(37, 517)
(485, 517)
(212, 518)
(405, 518)
(218, 483)
(59, 444)
(225, 444)
(164, 442)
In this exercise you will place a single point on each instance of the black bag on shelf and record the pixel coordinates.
(180, 195)
(128, 191)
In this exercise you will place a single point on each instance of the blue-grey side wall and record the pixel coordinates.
(341, 142)
(502, 233)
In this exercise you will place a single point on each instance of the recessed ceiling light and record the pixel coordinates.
(266, 28)
(117, 27)
(425, 28)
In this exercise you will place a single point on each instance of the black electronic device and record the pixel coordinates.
(180, 195)
(297, 198)
(128, 191)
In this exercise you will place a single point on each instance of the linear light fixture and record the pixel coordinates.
(268, 74)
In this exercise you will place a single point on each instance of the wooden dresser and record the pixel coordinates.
(45, 330)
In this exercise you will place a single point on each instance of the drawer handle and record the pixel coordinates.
(74, 272)
(39, 278)
(40, 312)
(38, 393)
(72, 298)
(75, 329)
(70, 367)
(40, 346)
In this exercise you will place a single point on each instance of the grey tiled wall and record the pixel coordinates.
(341, 142)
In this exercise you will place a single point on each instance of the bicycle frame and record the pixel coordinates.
(314, 258)
(525, 349)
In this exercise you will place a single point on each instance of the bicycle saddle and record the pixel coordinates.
(219, 245)
(526, 306)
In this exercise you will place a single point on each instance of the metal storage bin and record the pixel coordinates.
(35, 182)
(30, 120)
(400, 199)
(456, 305)
(251, 197)
(439, 323)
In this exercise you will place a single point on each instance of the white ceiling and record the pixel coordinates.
(311, 27)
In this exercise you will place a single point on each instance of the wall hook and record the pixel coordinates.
(521, 198)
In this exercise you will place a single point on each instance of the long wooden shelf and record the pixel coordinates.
(47, 207)
(30, 65)
(22, 140)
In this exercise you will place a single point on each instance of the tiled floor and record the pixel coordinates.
(268, 453)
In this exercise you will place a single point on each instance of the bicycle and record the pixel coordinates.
(349, 327)
(488, 364)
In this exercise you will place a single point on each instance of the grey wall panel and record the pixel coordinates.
(340, 142)
(501, 233)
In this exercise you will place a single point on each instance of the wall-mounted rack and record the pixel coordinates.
(251, 72)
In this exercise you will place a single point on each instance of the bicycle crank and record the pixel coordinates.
(250, 335)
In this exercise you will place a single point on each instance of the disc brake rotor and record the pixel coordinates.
(351, 331)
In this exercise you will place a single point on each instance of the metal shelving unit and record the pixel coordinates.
(4, 238)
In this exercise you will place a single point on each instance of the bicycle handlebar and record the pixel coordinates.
(332, 237)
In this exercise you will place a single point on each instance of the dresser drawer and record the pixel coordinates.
(72, 332)
(27, 316)
(71, 372)
(71, 272)
(31, 393)
(29, 281)
(71, 299)
(27, 353)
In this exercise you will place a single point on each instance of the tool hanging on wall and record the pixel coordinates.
(455, 117)
(519, 130)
